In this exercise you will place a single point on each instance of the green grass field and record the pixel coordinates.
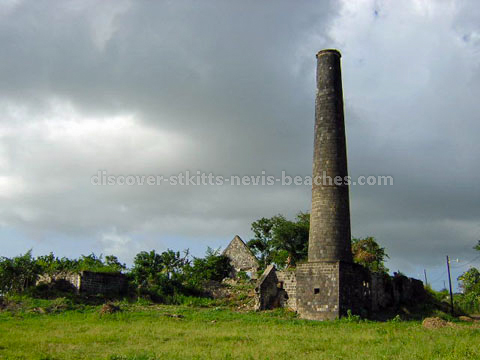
(150, 332)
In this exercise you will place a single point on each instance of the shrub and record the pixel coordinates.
(159, 276)
(213, 266)
(18, 273)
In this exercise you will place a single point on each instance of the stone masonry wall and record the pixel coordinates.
(318, 290)
(355, 290)
(62, 280)
(241, 257)
(267, 290)
(329, 238)
(102, 283)
(288, 281)
(382, 291)
(86, 282)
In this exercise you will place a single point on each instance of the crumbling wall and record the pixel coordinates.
(382, 291)
(241, 257)
(388, 291)
(288, 281)
(86, 282)
(355, 289)
(407, 291)
(62, 281)
(268, 293)
(102, 283)
(328, 290)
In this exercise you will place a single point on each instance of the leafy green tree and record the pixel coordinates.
(290, 240)
(214, 266)
(469, 281)
(50, 264)
(262, 244)
(285, 243)
(367, 252)
(469, 299)
(114, 264)
(159, 275)
(18, 273)
(280, 241)
(91, 262)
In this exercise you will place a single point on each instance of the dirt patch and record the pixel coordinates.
(434, 323)
(109, 308)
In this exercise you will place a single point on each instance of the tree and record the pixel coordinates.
(280, 241)
(262, 244)
(159, 275)
(477, 247)
(113, 263)
(50, 264)
(214, 266)
(290, 239)
(285, 243)
(469, 281)
(368, 253)
(18, 273)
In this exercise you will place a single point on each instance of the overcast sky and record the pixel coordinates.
(143, 87)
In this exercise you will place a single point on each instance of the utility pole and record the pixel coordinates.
(425, 273)
(450, 285)
(444, 285)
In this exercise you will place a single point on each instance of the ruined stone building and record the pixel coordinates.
(330, 283)
(87, 282)
(241, 257)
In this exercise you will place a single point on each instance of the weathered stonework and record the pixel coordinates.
(276, 289)
(267, 291)
(390, 292)
(288, 281)
(362, 292)
(318, 290)
(87, 282)
(102, 283)
(241, 257)
(330, 284)
(62, 280)
(330, 217)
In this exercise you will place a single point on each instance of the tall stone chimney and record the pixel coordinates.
(330, 217)
(330, 284)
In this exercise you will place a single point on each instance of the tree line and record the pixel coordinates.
(158, 276)
(284, 243)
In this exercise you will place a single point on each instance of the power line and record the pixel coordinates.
(439, 277)
(468, 263)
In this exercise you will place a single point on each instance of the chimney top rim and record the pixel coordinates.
(326, 51)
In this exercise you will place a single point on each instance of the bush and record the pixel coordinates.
(18, 273)
(159, 276)
(469, 300)
(213, 266)
(50, 264)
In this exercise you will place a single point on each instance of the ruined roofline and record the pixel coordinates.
(243, 242)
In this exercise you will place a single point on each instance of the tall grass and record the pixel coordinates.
(143, 331)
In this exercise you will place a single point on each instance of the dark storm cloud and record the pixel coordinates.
(228, 87)
(172, 86)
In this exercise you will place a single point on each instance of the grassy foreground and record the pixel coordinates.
(181, 332)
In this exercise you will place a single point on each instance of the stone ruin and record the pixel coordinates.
(86, 282)
(330, 284)
(383, 292)
(241, 258)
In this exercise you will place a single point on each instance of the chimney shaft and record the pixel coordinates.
(330, 235)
